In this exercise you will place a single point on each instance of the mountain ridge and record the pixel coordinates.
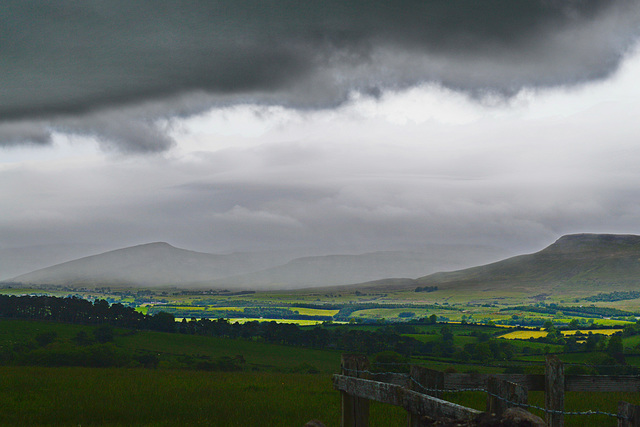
(161, 264)
(576, 260)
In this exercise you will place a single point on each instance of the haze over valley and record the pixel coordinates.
(579, 263)
(160, 264)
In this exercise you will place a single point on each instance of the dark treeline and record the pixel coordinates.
(614, 296)
(426, 288)
(334, 337)
(250, 312)
(346, 310)
(100, 350)
(587, 311)
(81, 311)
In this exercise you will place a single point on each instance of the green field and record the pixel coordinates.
(574, 402)
(170, 346)
(300, 322)
(473, 304)
(275, 384)
(123, 397)
(314, 311)
(257, 355)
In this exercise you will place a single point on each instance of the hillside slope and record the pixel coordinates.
(160, 264)
(336, 270)
(594, 262)
(22, 260)
(152, 264)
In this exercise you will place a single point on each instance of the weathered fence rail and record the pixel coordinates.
(420, 392)
(596, 383)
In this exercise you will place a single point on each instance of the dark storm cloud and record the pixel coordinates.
(73, 58)
(24, 132)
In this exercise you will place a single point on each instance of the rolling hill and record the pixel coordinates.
(160, 264)
(577, 262)
(22, 260)
(337, 270)
(152, 264)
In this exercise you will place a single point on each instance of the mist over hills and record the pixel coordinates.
(152, 264)
(160, 264)
(22, 260)
(335, 270)
(589, 262)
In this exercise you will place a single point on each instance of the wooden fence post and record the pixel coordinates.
(429, 378)
(629, 415)
(355, 410)
(500, 390)
(554, 391)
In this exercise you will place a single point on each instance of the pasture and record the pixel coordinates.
(525, 335)
(136, 397)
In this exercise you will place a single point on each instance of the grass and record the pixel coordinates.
(121, 397)
(301, 322)
(256, 354)
(574, 402)
(392, 313)
(12, 331)
(536, 347)
(142, 309)
(525, 335)
(631, 342)
(215, 308)
(314, 311)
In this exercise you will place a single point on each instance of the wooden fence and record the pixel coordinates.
(420, 392)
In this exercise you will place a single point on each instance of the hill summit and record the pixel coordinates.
(588, 262)
(596, 244)
(160, 264)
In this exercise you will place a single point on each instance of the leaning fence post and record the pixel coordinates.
(355, 410)
(504, 394)
(628, 415)
(427, 381)
(554, 391)
(421, 378)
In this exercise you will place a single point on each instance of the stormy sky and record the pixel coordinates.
(326, 125)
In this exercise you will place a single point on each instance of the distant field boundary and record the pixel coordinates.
(419, 392)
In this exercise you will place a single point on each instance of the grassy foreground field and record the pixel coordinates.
(136, 397)
(33, 396)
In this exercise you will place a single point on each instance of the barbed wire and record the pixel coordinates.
(508, 401)
(515, 364)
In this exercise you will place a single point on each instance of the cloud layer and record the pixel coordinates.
(68, 65)
(410, 167)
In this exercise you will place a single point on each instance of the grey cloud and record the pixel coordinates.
(65, 58)
(22, 132)
(116, 130)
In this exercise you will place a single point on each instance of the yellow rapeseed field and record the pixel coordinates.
(525, 335)
(598, 331)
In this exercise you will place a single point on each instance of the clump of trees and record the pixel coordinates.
(426, 289)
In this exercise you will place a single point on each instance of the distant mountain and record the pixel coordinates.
(152, 264)
(16, 261)
(160, 264)
(589, 262)
(333, 270)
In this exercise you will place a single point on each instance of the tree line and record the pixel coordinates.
(81, 311)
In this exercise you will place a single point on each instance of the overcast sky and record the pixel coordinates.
(337, 126)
